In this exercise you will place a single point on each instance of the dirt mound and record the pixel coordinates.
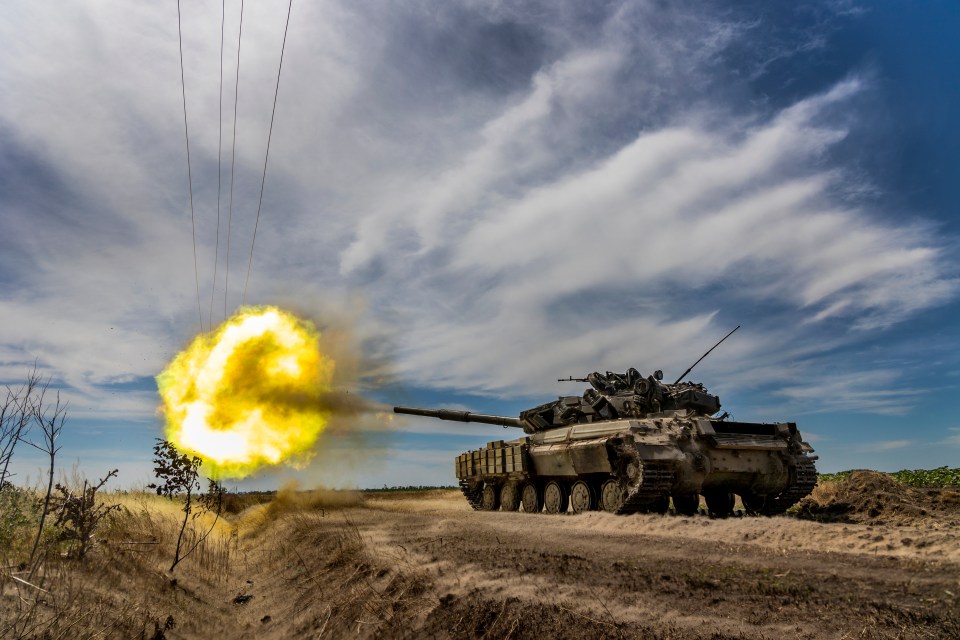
(871, 497)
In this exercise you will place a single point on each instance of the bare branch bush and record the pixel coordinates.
(79, 514)
(50, 419)
(15, 419)
(179, 474)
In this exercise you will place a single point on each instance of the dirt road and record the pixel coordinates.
(596, 575)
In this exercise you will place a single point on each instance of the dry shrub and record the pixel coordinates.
(120, 589)
(146, 528)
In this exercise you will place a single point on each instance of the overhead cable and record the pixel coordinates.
(267, 155)
(233, 164)
(186, 132)
(216, 253)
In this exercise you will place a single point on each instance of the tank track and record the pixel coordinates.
(657, 482)
(806, 481)
(473, 495)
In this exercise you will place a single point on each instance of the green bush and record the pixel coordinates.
(19, 514)
(939, 477)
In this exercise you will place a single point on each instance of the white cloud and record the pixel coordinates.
(599, 210)
(877, 391)
(886, 445)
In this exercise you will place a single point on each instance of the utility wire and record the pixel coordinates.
(186, 132)
(233, 163)
(267, 155)
(216, 253)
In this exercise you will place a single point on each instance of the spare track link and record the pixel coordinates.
(806, 481)
(657, 482)
(473, 495)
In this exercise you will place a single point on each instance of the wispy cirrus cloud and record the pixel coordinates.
(886, 445)
(517, 192)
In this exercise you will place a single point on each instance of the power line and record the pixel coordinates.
(233, 162)
(186, 132)
(216, 253)
(267, 155)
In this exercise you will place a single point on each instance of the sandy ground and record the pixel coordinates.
(883, 563)
(499, 575)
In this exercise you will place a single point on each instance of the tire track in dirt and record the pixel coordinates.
(694, 578)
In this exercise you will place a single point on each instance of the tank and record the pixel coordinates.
(632, 444)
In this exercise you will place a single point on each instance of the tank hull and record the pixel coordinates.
(631, 465)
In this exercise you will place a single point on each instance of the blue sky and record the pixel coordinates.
(472, 199)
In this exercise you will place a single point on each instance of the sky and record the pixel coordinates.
(479, 197)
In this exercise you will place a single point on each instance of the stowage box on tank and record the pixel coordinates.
(629, 444)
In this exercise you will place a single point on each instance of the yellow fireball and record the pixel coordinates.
(248, 394)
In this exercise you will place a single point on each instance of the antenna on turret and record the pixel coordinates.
(705, 355)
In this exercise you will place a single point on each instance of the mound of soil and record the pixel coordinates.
(871, 497)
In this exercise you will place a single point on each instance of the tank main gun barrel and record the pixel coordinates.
(460, 416)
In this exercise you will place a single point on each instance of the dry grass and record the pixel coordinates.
(120, 589)
(825, 491)
(298, 557)
(416, 501)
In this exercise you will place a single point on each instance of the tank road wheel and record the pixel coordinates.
(720, 503)
(510, 497)
(555, 497)
(687, 504)
(491, 497)
(631, 469)
(611, 496)
(532, 498)
(752, 503)
(582, 497)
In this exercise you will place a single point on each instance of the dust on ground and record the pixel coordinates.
(423, 564)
